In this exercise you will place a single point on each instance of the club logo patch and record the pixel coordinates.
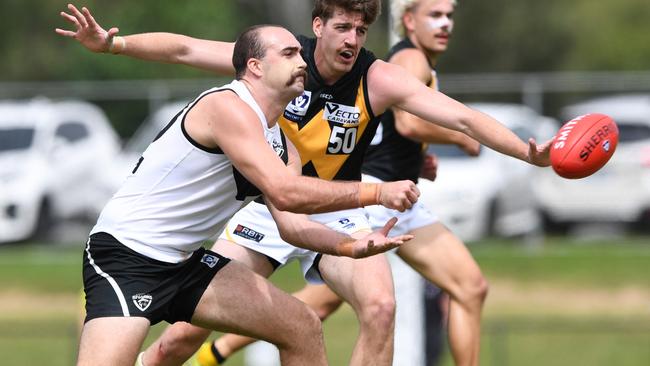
(142, 301)
(209, 260)
(298, 107)
(277, 147)
(248, 233)
(606, 145)
(342, 114)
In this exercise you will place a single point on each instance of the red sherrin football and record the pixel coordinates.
(583, 145)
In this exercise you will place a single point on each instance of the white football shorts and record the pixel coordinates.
(253, 227)
(414, 218)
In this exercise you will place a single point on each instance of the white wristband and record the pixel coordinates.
(117, 45)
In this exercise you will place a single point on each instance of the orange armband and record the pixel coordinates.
(368, 194)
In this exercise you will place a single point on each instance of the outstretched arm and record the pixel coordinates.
(211, 56)
(417, 129)
(415, 63)
(302, 232)
(392, 86)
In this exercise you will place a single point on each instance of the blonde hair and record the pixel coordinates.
(397, 10)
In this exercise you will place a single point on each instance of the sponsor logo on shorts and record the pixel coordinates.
(347, 224)
(248, 233)
(297, 108)
(142, 301)
(209, 260)
(342, 114)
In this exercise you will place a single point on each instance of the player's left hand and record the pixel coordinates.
(539, 155)
(374, 243)
(90, 34)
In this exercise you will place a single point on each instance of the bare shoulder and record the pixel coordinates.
(415, 62)
(388, 84)
(219, 115)
(225, 104)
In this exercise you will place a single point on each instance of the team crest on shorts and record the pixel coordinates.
(209, 260)
(142, 301)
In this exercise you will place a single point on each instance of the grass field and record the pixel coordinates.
(564, 302)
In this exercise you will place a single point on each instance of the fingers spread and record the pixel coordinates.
(77, 14)
(89, 18)
(70, 19)
(65, 33)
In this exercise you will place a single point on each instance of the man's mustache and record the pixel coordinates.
(296, 75)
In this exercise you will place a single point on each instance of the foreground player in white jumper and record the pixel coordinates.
(144, 262)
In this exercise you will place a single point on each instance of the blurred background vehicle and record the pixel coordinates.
(620, 191)
(490, 194)
(55, 163)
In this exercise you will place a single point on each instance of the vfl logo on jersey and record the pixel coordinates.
(248, 233)
(142, 301)
(209, 260)
(297, 108)
(342, 114)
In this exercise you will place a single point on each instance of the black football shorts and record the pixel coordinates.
(121, 282)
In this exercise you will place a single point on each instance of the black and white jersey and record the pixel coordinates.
(392, 156)
(182, 193)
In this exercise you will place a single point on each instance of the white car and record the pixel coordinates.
(55, 163)
(620, 191)
(488, 195)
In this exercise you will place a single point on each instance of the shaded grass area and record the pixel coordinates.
(36, 336)
(565, 261)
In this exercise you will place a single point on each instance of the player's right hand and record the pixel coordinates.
(400, 195)
(88, 32)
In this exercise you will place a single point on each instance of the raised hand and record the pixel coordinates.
(90, 34)
(373, 243)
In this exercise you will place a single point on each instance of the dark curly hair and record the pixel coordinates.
(370, 9)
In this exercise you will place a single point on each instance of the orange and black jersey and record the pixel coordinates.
(391, 156)
(331, 125)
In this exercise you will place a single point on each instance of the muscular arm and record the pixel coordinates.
(417, 129)
(391, 86)
(300, 231)
(223, 120)
(211, 56)
(173, 48)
